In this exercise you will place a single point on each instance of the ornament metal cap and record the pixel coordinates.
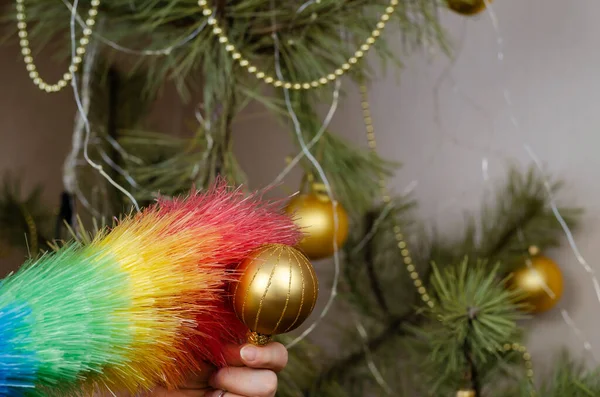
(257, 339)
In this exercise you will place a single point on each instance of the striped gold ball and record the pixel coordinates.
(276, 291)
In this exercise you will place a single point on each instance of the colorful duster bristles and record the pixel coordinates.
(143, 305)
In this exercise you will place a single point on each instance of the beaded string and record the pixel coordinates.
(75, 61)
(526, 356)
(217, 31)
(254, 70)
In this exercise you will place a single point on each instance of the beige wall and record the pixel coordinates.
(550, 69)
(34, 130)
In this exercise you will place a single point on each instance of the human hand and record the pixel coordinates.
(251, 372)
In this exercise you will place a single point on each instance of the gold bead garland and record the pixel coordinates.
(305, 85)
(372, 142)
(401, 243)
(526, 360)
(75, 61)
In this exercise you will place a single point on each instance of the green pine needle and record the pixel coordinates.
(568, 378)
(474, 315)
(24, 218)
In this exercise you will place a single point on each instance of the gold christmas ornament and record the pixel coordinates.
(468, 7)
(542, 282)
(466, 393)
(276, 292)
(313, 213)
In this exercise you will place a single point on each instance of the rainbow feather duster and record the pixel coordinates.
(143, 305)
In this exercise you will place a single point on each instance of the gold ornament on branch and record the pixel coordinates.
(541, 281)
(276, 292)
(468, 7)
(466, 393)
(314, 213)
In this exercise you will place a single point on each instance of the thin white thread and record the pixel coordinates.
(374, 228)
(70, 173)
(27, 245)
(314, 140)
(557, 214)
(384, 213)
(206, 126)
(586, 344)
(485, 169)
(72, 162)
(563, 224)
(118, 47)
(117, 146)
(118, 168)
(369, 358)
(86, 122)
(85, 202)
(410, 187)
(306, 5)
(203, 122)
(444, 75)
(320, 132)
(313, 160)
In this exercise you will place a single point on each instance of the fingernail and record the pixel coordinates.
(248, 353)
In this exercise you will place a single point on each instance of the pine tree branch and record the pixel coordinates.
(369, 259)
(315, 46)
(531, 213)
(345, 365)
(473, 373)
(21, 214)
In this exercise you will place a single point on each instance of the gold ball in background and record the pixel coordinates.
(313, 213)
(468, 7)
(466, 393)
(276, 292)
(542, 282)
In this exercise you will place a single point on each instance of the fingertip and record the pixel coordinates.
(273, 356)
(249, 353)
(281, 352)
